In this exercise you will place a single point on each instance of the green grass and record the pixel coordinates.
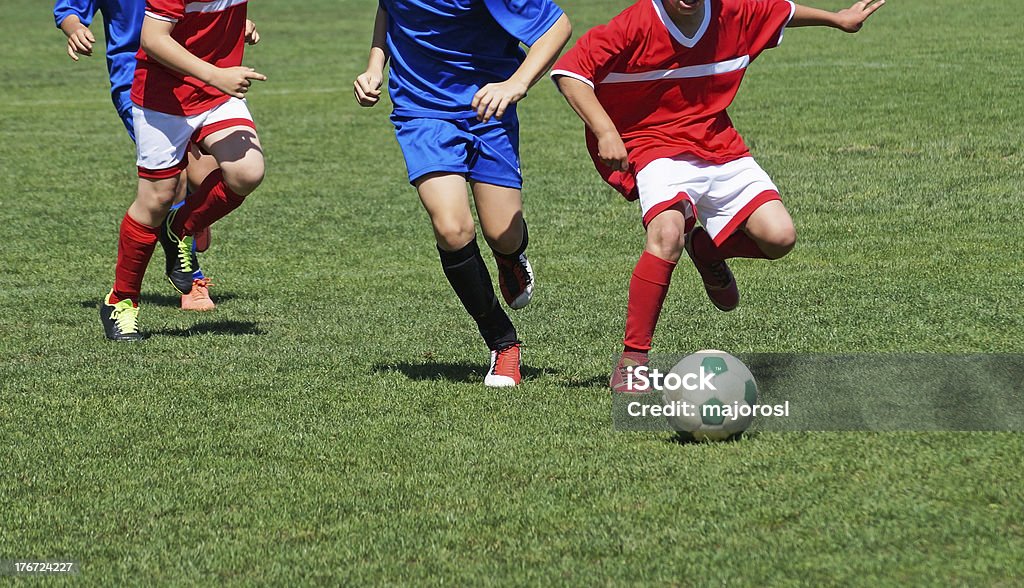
(329, 423)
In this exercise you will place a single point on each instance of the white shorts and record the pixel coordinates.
(723, 195)
(163, 140)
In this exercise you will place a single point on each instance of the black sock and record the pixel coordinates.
(522, 246)
(468, 276)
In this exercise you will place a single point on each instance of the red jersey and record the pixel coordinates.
(212, 30)
(665, 92)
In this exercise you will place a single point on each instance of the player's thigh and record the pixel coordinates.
(666, 231)
(200, 165)
(500, 209)
(239, 154)
(772, 226)
(444, 197)
(153, 199)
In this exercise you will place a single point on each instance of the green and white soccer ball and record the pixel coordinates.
(718, 411)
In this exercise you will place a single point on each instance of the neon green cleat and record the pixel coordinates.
(120, 321)
(181, 260)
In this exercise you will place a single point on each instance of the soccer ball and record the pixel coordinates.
(721, 406)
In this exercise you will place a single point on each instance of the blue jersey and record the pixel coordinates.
(443, 51)
(122, 24)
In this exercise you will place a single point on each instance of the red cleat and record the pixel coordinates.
(504, 370)
(719, 282)
(623, 381)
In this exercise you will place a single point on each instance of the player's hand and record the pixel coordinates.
(612, 152)
(494, 99)
(366, 88)
(80, 42)
(852, 19)
(252, 36)
(235, 81)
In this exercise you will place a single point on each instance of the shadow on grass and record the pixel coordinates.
(451, 372)
(686, 439)
(163, 300)
(213, 328)
(600, 381)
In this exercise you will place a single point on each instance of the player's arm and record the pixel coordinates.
(849, 19)
(156, 40)
(367, 85)
(493, 99)
(73, 18)
(581, 96)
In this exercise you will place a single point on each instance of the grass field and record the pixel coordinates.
(328, 422)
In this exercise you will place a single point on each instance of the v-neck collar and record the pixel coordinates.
(674, 30)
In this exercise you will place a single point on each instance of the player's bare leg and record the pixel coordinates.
(153, 199)
(500, 209)
(666, 234)
(139, 233)
(239, 155)
(771, 227)
(445, 199)
(241, 166)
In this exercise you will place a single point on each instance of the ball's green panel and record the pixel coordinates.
(714, 417)
(751, 393)
(715, 365)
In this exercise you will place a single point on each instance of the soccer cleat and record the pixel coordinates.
(202, 239)
(515, 279)
(623, 381)
(199, 298)
(719, 282)
(504, 370)
(181, 260)
(121, 320)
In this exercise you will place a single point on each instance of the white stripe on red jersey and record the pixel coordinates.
(212, 6)
(690, 71)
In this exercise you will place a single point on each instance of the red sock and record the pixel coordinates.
(212, 201)
(134, 248)
(739, 244)
(647, 290)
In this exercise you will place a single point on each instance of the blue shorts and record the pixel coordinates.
(123, 104)
(483, 152)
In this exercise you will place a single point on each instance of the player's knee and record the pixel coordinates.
(453, 234)
(506, 241)
(243, 180)
(156, 196)
(778, 242)
(666, 240)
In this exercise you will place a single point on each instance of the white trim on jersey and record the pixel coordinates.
(215, 6)
(569, 74)
(674, 30)
(159, 17)
(782, 31)
(690, 71)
